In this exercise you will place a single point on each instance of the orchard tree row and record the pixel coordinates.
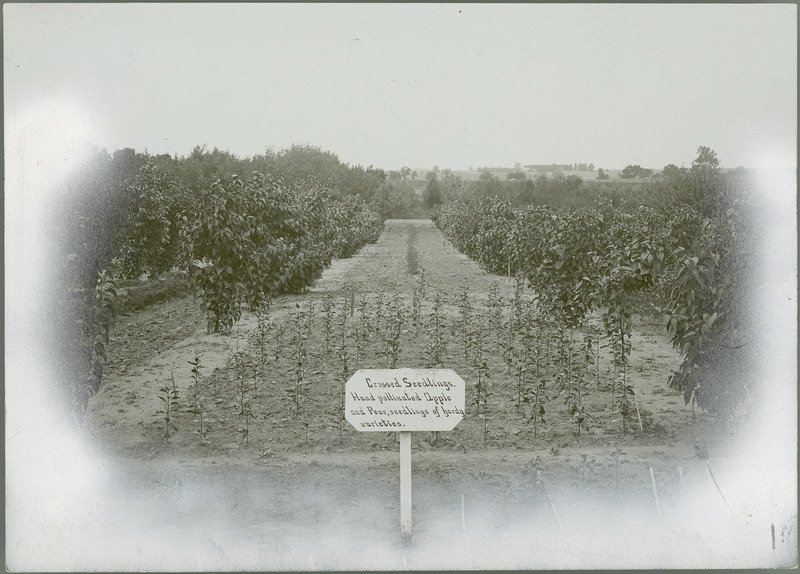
(235, 238)
(687, 246)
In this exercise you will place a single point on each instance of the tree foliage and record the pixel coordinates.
(688, 239)
(237, 234)
(632, 171)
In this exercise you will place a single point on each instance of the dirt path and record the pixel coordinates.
(288, 488)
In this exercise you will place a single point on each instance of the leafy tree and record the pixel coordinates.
(516, 176)
(630, 171)
(706, 160)
(432, 195)
(701, 187)
(149, 237)
(357, 180)
(233, 242)
(300, 162)
(602, 174)
(673, 171)
(486, 175)
(396, 199)
(638, 171)
(203, 166)
(451, 185)
(88, 217)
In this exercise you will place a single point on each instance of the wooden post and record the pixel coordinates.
(714, 482)
(463, 519)
(405, 486)
(655, 491)
(360, 395)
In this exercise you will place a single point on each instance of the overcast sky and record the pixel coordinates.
(406, 84)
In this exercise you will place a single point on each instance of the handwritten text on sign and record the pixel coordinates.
(404, 399)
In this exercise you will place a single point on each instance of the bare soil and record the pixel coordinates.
(273, 481)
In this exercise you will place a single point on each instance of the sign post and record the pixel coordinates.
(405, 485)
(404, 400)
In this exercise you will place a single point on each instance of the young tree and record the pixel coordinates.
(432, 195)
(395, 199)
(486, 175)
(672, 171)
(630, 171)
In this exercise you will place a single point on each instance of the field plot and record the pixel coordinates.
(231, 451)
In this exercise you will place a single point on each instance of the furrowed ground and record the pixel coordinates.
(260, 471)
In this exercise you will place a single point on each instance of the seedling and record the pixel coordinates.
(361, 329)
(259, 341)
(415, 310)
(343, 377)
(421, 283)
(482, 393)
(412, 259)
(310, 318)
(537, 398)
(577, 408)
(584, 473)
(495, 319)
(298, 355)
(532, 486)
(103, 312)
(246, 414)
(465, 312)
(378, 312)
(169, 396)
(617, 459)
(394, 327)
(437, 337)
(592, 344)
(215, 378)
(327, 309)
(203, 428)
(278, 342)
(523, 366)
(195, 382)
(510, 329)
(517, 302)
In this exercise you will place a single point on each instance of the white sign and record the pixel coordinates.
(404, 400)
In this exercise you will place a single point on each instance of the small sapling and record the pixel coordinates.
(465, 313)
(327, 309)
(617, 460)
(536, 398)
(585, 473)
(195, 382)
(437, 336)
(169, 396)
